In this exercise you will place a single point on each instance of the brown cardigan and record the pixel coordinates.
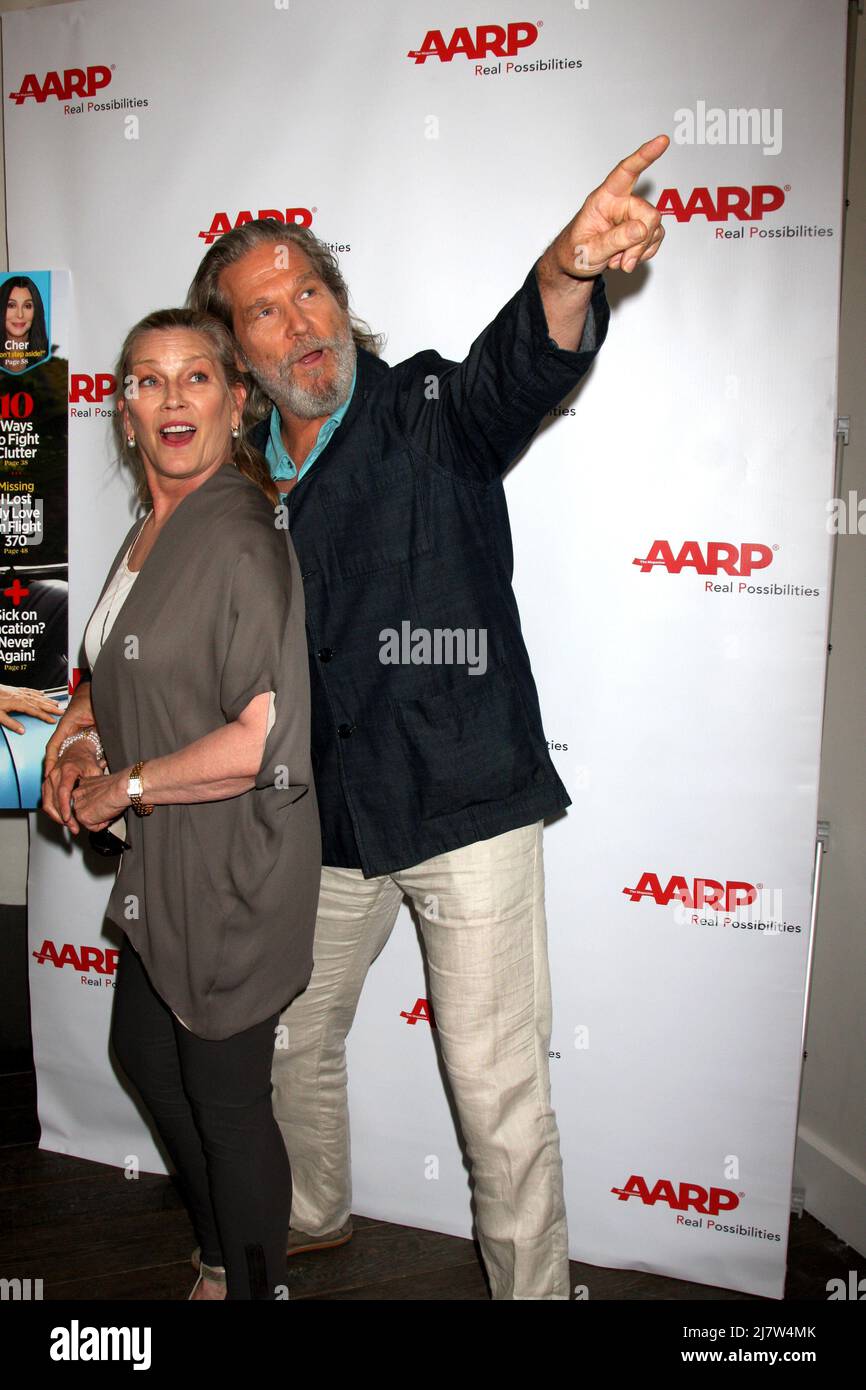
(218, 898)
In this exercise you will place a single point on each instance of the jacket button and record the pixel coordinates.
(346, 730)
(325, 653)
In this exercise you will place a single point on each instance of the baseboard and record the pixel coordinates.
(835, 1188)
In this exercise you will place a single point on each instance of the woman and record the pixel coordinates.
(200, 692)
(22, 314)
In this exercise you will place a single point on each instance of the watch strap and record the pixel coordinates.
(135, 795)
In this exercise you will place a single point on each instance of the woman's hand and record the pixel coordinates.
(97, 801)
(78, 764)
(78, 715)
(22, 700)
(221, 764)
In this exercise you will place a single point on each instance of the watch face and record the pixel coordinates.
(134, 786)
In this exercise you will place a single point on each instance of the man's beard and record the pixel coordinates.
(316, 399)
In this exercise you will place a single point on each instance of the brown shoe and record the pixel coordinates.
(299, 1243)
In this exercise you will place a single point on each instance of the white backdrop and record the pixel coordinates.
(684, 716)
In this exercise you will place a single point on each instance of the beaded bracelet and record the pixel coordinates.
(91, 735)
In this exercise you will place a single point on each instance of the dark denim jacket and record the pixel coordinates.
(403, 521)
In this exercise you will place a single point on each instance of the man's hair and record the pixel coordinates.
(246, 459)
(206, 296)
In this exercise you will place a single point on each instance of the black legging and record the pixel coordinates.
(211, 1101)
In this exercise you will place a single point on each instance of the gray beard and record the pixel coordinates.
(309, 403)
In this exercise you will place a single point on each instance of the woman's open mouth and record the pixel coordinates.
(177, 434)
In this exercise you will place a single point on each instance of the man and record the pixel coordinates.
(431, 765)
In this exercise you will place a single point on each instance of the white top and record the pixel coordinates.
(110, 605)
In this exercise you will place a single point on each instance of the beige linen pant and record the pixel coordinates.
(481, 911)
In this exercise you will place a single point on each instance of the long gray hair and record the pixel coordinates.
(206, 296)
(246, 459)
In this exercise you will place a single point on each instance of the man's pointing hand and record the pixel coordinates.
(613, 228)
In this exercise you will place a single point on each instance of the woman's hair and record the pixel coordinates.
(37, 338)
(206, 295)
(246, 459)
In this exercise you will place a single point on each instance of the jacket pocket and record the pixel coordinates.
(469, 745)
(378, 520)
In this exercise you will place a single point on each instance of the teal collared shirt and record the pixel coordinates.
(280, 463)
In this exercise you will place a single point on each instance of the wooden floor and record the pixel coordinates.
(91, 1234)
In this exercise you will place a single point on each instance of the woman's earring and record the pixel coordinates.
(130, 441)
(235, 431)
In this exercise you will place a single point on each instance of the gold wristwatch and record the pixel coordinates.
(135, 791)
